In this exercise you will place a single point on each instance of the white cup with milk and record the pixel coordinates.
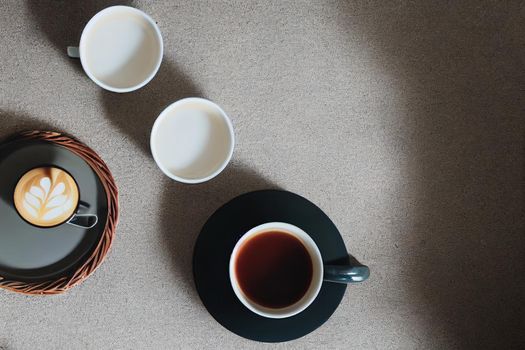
(120, 49)
(192, 140)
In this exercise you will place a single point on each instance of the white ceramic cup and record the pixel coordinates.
(192, 140)
(120, 49)
(317, 271)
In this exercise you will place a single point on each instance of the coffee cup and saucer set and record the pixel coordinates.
(268, 265)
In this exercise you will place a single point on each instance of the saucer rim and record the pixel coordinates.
(336, 290)
(73, 276)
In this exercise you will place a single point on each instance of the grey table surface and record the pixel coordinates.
(403, 120)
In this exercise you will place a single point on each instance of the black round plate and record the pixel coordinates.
(215, 245)
(29, 253)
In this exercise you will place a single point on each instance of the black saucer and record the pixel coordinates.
(32, 254)
(217, 240)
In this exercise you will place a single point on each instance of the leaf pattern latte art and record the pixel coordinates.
(46, 196)
(46, 202)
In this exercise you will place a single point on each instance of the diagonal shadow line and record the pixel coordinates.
(459, 67)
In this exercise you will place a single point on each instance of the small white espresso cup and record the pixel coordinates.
(192, 140)
(320, 272)
(120, 49)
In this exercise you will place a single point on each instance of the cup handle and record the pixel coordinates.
(73, 52)
(346, 273)
(83, 220)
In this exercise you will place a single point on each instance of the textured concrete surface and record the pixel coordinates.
(404, 121)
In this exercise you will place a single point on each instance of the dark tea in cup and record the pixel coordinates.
(274, 269)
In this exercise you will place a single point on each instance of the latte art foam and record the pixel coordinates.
(46, 196)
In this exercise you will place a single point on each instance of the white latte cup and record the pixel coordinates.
(192, 140)
(320, 271)
(120, 49)
(48, 196)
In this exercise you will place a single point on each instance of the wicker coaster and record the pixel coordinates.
(88, 265)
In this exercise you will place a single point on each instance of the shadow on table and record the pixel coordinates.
(132, 113)
(15, 122)
(185, 209)
(62, 21)
(459, 69)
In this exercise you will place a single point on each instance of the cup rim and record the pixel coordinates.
(47, 166)
(315, 285)
(163, 115)
(92, 22)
